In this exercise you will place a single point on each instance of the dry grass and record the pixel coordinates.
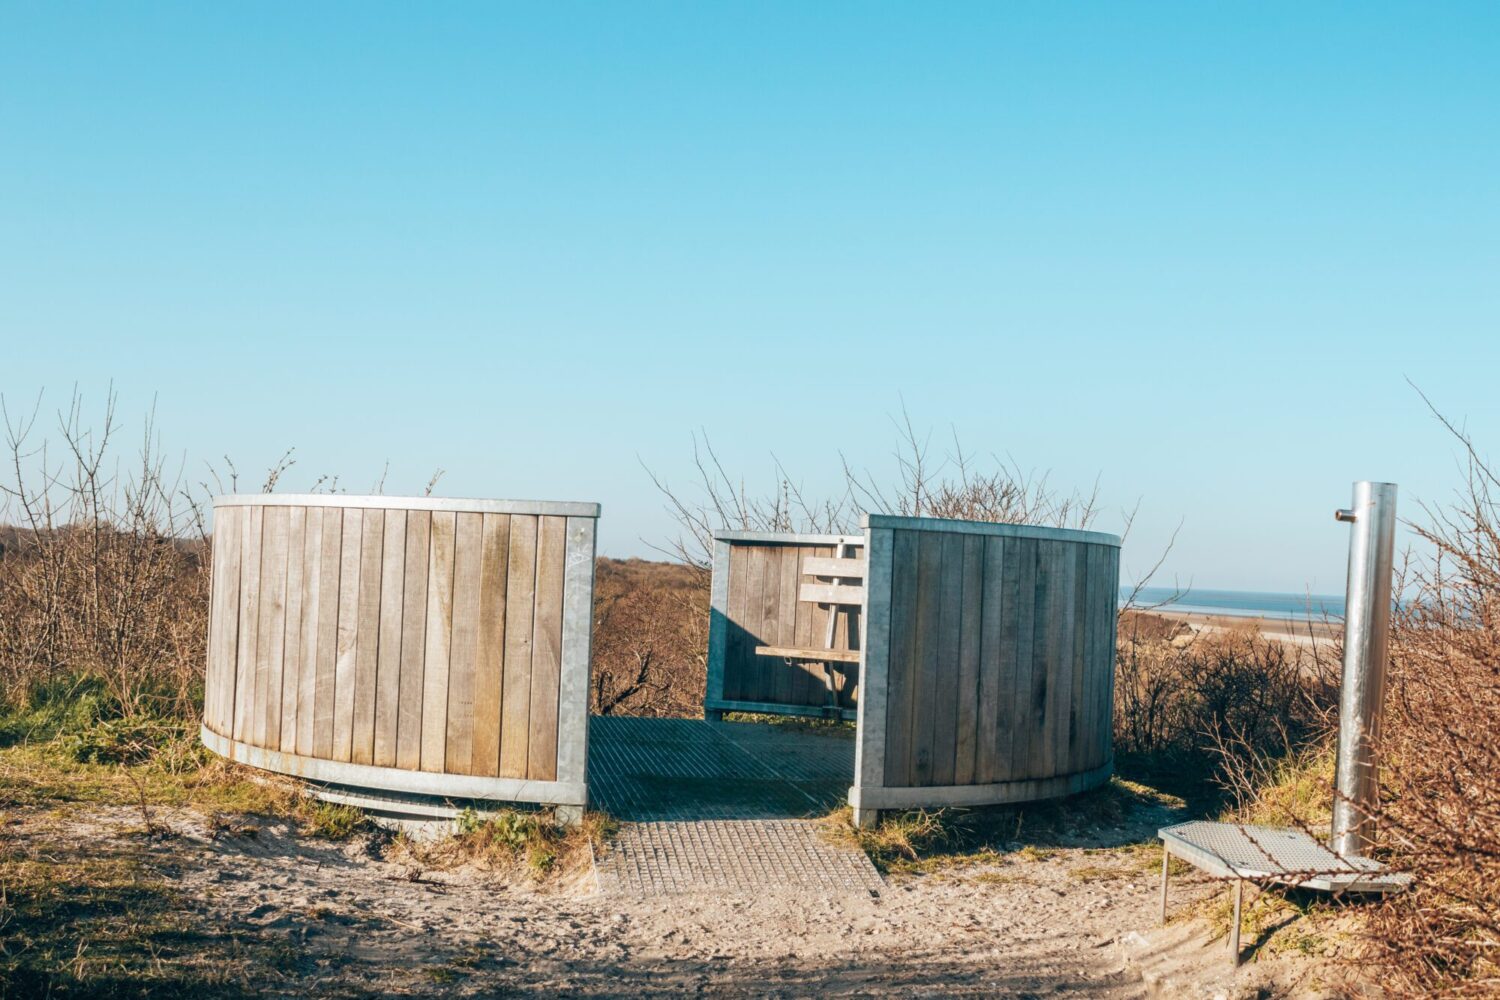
(513, 841)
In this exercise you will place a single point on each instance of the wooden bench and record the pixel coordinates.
(838, 584)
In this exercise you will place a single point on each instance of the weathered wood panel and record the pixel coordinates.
(440, 638)
(763, 583)
(998, 657)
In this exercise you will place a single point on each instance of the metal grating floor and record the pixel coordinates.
(758, 856)
(693, 769)
(722, 807)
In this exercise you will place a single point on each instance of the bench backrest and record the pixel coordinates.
(845, 581)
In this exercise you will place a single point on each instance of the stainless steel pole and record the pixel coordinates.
(1367, 620)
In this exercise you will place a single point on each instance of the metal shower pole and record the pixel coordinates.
(1367, 620)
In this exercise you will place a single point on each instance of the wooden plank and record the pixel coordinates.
(870, 731)
(325, 685)
(1045, 655)
(788, 577)
(1102, 607)
(388, 655)
(345, 666)
(270, 645)
(291, 658)
(546, 648)
(1061, 627)
(1018, 639)
(810, 687)
(367, 643)
(229, 530)
(1109, 623)
(809, 654)
(1073, 752)
(739, 651)
(759, 676)
(463, 652)
(307, 677)
(942, 733)
(520, 606)
(411, 699)
(244, 682)
(439, 636)
(830, 593)
(489, 675)
(996, 673)
(901, 679)
(845, 569)
(970, 635)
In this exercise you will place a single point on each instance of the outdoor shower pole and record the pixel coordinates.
(1367, 620)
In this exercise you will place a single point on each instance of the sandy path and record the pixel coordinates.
(1075, 923)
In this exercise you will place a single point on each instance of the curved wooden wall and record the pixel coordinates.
(414, 645)
(988, 667)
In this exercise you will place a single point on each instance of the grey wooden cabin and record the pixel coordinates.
(977, 658)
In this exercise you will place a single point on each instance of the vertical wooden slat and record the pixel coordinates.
(1018, 640)
(388, 657)
(489, 675)
(270, 644)
(312, 580)
(244, 682)
(971, 633)
(520, 597)
(229, 530)
(463, 649)
(901, 680)
(996, 670)
(291, 658)
(546, 648)
(942, 732)
(439, 635)
(787, 675)
(738, 652)
(1046, 656)
(1110, 623)
(926, 655)
(771, 668)
(345, 666)
(1074, 742)
(367, 647)
(810, 686)
(1060, 668)
(411, 699)
(325, 686)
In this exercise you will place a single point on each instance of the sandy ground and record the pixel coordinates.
(1076, 922)
(1299, 633)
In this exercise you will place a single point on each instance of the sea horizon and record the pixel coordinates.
(1239, 603)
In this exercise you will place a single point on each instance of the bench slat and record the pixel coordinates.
(811, 655)
(831, 593)
(849, 569)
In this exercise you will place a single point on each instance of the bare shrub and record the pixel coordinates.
(951, 486)
(1231, 703)
(650, 638)
(105, 567)
(1440, 755)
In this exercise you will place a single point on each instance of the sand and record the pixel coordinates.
(1080, 921)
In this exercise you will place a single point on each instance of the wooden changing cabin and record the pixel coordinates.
(977, 659)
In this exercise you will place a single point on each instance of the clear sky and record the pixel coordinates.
(1192, 250)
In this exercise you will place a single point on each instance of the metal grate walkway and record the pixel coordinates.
(722, 807)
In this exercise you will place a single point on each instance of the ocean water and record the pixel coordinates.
(1244, 603)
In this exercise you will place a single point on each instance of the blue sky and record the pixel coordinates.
(1193, 251)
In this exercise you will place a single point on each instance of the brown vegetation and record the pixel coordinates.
(1440, 769)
